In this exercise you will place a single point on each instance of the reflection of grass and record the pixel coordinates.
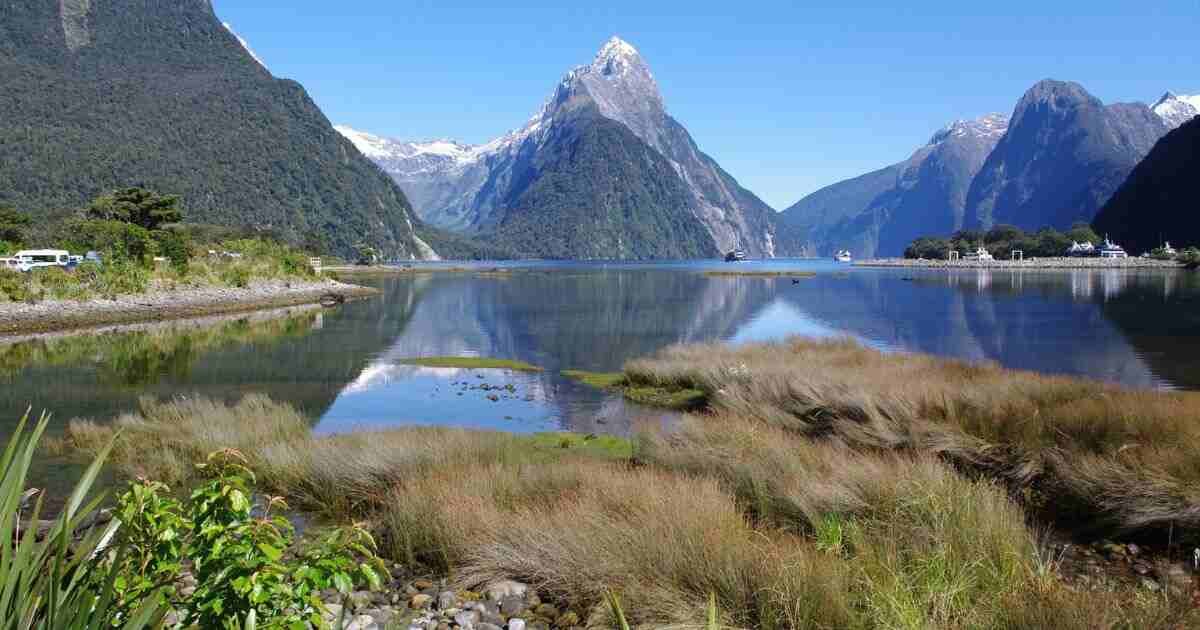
(477, 363)
(761, 274)
(141, 357)
(664, 396)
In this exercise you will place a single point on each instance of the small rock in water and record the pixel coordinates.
(516, 624)
(446, 600)
(420, 601)
(483, 625)
(567, 620)
(546, 610)
(422, 584)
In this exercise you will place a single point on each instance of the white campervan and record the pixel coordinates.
(35, 258)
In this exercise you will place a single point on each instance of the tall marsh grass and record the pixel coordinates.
(1103, 459)
(732, 514)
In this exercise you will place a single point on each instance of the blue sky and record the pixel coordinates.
(788, 98)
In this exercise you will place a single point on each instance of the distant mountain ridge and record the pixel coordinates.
(1054, 162)
(1063, 156)
(879, 213)
(101, 94)
(480, 189)
(1160, 200)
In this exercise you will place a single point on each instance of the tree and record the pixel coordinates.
(13, 224)
(1083, 233)
(141, 207)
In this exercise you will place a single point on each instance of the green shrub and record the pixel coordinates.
(60, 284)
(236, 275)
(237, 557)
(1189, 257)
(52, 582)
(174, 246)
(15, 286)
(122, 277)
(7, 247)
(115, 239)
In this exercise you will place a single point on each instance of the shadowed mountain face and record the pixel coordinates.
(1064, 155)
(880, 213)
(101, 94)
(1161, 199)
(478, 188)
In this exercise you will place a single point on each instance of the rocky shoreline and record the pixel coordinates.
(1029, 263)
(167, 304)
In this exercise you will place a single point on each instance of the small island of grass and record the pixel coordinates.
(477, 363)
(651, 395)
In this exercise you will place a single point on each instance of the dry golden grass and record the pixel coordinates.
(782, 530)
(1118, 461)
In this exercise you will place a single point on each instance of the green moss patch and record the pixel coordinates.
(599, 380)
(591, 445)
(477, 363)
(680, 399)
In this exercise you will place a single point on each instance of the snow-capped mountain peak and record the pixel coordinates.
(989, 126)
(1175, 109)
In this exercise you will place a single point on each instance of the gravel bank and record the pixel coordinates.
(1032, 263)
(20, 318)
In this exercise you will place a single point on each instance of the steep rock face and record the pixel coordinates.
(1064, 154)
(879, 213)
(100, 94)
(1161, 199)
(1176, 110)
(474, 188)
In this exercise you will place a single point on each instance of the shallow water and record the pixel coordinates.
(342, 366)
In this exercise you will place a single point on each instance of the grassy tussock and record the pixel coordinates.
(782, 531)
(1125, 462)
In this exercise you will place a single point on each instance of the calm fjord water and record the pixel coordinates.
(344, 366)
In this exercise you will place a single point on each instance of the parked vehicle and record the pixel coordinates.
(843, 256)
(736, 255)
(38, 258)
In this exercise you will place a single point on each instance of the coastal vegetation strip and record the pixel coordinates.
(732, 511)
(470, 363)
(651, 395)
(143, 263)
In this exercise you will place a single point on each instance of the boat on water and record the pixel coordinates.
(1112, 250)
(843, 256)
(736, 255)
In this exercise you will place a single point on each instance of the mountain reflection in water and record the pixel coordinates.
(344, 366)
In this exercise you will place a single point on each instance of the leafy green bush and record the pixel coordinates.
(122, 277)
(236, 275)
(60, 284)
(117, 240)
(53, 582)
(7, 247)
(14, 286)
(1189, 257)
(239, 560)
(174, 246)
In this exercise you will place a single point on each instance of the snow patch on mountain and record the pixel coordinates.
(244, 43)
(1177, 109)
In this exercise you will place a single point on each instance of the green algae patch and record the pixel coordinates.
(599, 380)
(591, 445)
(679, 399)
(476, 363)
(676, 399)
(760, 274)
